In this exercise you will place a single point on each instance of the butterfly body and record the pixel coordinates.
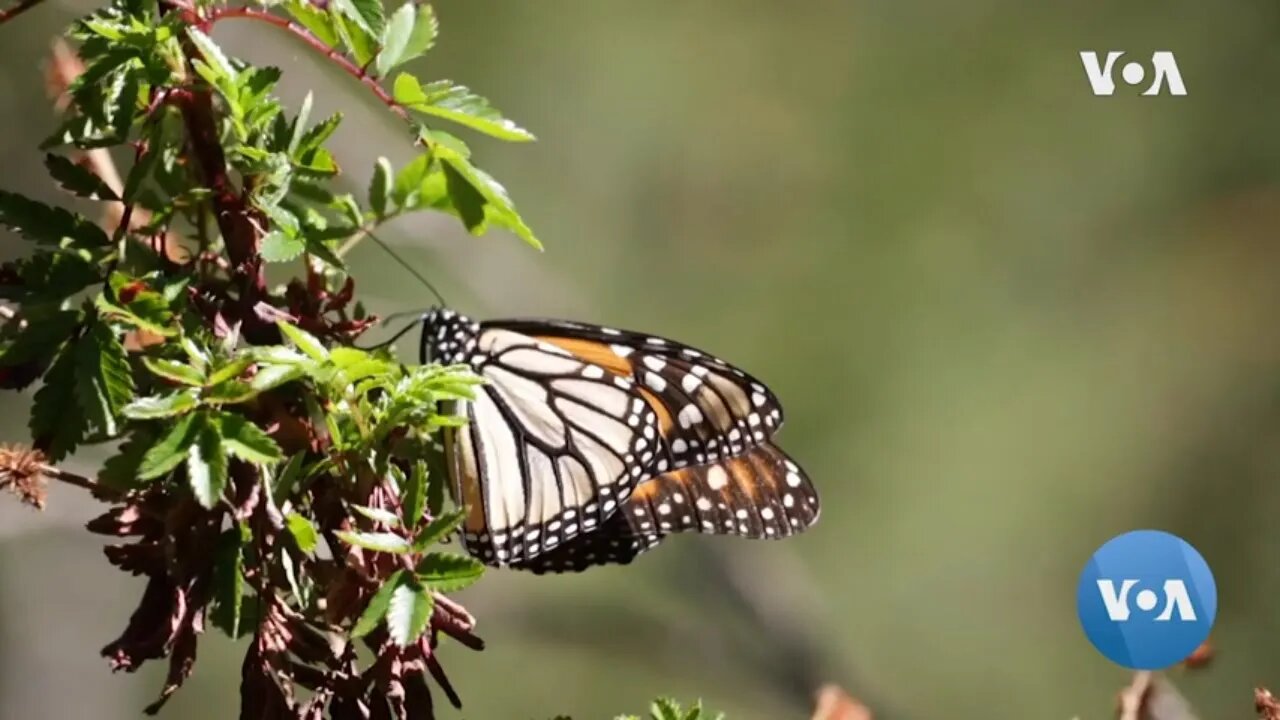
(587, 445)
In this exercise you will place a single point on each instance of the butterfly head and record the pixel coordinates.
(447, 337)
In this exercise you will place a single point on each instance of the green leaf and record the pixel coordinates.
(175, 371)
(395, 38)
(362, 45)
(377, 607)
(378, 515)
(407, 189)
(377, 541)
(228, 579)
(40, 339)
(160, 406)
(409, 612)
(78, 179)
(103, 380)
(246, 441)
(170, 450)
(287, 477)
(446, 572)
(273, 376)
(366, 14)
(438, 529)
(500, 209)
(280, 247)
(57, 425)
(467, 200)
(215, 59)
(425, 29)
(207, 464)
(303, 532)
(317, 21)
(413, 495)
(458, 104)
(48, 225)
(230, 370)
(300, 122)
(230, 393)
(304, 341)
(380, 187)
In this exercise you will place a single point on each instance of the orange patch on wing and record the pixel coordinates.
(665, 421)
(466, 487)
(592, 352)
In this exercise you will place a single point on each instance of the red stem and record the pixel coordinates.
(319, 46)
(10, 13)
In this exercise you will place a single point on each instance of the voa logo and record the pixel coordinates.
(1146, 599)
(1175, 599)
(1164, 73)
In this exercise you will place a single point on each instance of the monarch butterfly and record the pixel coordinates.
(588, 445)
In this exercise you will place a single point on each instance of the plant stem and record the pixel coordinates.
(10, 13)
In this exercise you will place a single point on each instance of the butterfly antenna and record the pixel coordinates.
(412, 271)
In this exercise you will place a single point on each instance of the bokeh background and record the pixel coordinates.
(1008, 320)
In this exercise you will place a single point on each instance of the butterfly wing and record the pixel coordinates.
(707, 409)
(761, 493)
(553, 446)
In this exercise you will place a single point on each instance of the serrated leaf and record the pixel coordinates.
(362, 45)
(214, 58)
(467, 200)
(274, 376)
(377, 607)
(414, 495)
(395, 38)
(499, 207)
(446, 572)
(304, 341)
(380, 187)
(409, 612)
(286, 477)
(57, 425)
(279, 247)
(48, 225)
(246, 441)
(300, 122)
(423, 37)
(378, 515)
(458, 104)
(368, 15)
(78, 179)
(316, 21)
(104, 383)
(207, 464)
(230, 370)
(175, 371)
(167, 453)
(377, 541)
(438, 529)
(303, 532)
(40, 339)
(228, 580)
(160, 406)
(230, 392)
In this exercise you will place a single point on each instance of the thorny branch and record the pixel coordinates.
(307, 37)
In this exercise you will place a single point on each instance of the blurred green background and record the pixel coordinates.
(1008, 320)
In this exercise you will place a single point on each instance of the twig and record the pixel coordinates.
(10, 13)
(319, 46)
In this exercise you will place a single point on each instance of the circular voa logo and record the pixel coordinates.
(1147, 599)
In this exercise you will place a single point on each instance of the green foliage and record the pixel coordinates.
(668, 709)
